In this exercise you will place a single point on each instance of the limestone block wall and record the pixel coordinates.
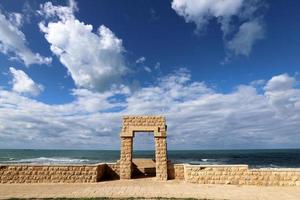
(278, 177)
(126, 158)
(161, 158)
(176, 171)
(201, 174)
(241, 175)
(51, 173)
(146, 121)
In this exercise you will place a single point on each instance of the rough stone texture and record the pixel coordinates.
(157, 124)
(51, 173)
(201, 174)
(133, 124)
(161, 158)
(126, 158)
(241, 175)
(175, 171)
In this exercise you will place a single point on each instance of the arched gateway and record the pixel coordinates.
(133, 124)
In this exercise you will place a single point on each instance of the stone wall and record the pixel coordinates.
(176, 171)
(201, 174)
(51, 173)
(241, 175)
(143, 121)
(126, 158)
(161, 158)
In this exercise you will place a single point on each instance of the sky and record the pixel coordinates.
(225, 73)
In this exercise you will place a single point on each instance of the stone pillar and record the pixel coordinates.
(161, 158)
(126, 158)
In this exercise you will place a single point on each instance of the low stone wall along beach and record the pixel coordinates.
(200, 174)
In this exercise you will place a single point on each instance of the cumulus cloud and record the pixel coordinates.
(23, 84)
(64, 13)
(197, 115)
(201, 11)
(239, 36)
(28, 123)
(283, 96)
(13, 41)
(95, 61)
(280, 83)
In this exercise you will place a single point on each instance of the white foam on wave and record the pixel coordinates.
(206, 161)
(210, 161)
(268, 166)
(51, 160)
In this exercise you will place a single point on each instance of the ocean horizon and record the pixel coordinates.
(255, 158)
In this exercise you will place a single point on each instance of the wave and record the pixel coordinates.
(52, 160)
(203, 161)
(267, 166)
(210, 161)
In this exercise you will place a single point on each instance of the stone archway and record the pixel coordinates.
(133, 124)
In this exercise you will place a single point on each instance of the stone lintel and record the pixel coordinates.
(128, 117)
(132, 129)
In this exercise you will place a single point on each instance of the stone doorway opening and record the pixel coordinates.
(143, 161)
(133, 124)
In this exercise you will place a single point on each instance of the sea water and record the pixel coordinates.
(271, 158)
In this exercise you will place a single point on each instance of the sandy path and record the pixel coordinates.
(148, 188)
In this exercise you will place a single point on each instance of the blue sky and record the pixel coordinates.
(224, 73)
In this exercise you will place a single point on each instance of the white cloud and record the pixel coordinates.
(16, 19)
(91, 102)
(283, 96)
(94, 61)
(239, 36)
(244, 39)
(13, 41)
(201, 11)
(64, 13)
(23, 84)
(141, 60)
(197, 115)
(281, 82)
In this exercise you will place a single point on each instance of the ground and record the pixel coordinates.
(148, 188)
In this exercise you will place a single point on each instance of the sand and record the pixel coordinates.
(148, 188)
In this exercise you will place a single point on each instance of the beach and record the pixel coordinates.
(147, 188)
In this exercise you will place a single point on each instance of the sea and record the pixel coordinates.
(255, 158)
